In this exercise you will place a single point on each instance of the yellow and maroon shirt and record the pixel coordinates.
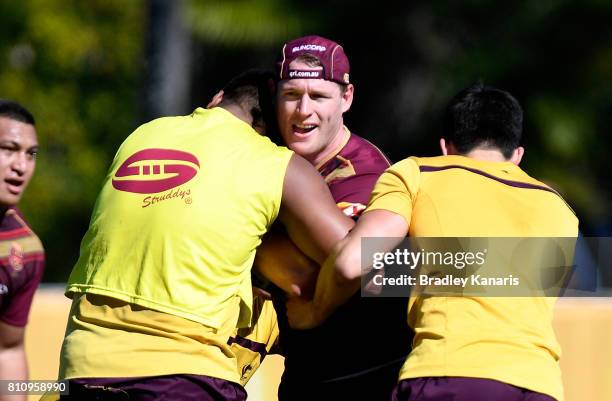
(500, 338)
(22, 262)
(352, 171)
(164, 273)
(181, 212)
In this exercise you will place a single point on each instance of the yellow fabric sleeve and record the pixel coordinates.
(396, 189)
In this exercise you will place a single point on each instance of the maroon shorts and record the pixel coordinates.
(462, 389)
(179, 387)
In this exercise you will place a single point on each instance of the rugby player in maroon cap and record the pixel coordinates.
(340, 359)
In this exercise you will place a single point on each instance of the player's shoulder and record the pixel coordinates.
(435, 161)
(15, 227)
(555, 198)
(364, 153)
(409, 164)
(21, 250)
(14, 220)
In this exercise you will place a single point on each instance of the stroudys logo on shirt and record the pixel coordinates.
(151, 171)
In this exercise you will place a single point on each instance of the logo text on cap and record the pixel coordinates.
(317, 48)
(304, 74)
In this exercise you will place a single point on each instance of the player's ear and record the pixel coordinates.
(443, 147)
(448, 148)
(347, 97)
(517, 155)
(216, 100)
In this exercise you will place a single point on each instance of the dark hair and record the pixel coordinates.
(253, 91)
(310, 60)
(483, 116)
(15, 111)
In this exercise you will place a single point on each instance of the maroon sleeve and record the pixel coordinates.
(367, 162)
(19, 302)
(355, 189)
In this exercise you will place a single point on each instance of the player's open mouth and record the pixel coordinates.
(14, 185)
(303, 128)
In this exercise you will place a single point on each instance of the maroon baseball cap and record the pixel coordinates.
(335, 63)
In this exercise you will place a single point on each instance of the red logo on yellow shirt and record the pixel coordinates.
(15, 258)
(155, 170)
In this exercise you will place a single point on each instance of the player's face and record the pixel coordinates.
(18, 148)
(309, 114)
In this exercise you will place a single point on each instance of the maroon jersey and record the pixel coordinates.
(22, 261)
(352, 172)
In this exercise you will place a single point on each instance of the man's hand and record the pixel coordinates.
(13, 363)
(301, 314)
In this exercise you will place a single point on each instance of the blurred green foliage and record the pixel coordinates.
(80, 67)
(554, 56)
(246, 22)
(76, 66)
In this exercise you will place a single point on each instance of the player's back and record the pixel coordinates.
(181, 211)
(459, 196)
(509, 339)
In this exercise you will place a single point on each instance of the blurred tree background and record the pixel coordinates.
(91, 71)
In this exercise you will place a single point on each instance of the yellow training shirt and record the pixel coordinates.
(106, 337)
(250, 345)
(179, 217)
(505, 339)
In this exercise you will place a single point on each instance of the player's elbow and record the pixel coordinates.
(348, 266)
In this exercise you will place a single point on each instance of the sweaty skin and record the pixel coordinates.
(314, 233)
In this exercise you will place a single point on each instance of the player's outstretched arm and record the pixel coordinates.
(308, 212)
(340, 275)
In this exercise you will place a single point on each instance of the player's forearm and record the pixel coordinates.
(338, 280)
(341, 274)
(317, 239)
(314, 233)
(13, 366)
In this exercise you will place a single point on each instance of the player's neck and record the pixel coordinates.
(332, 148)
(238, 112)
(490, 155)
